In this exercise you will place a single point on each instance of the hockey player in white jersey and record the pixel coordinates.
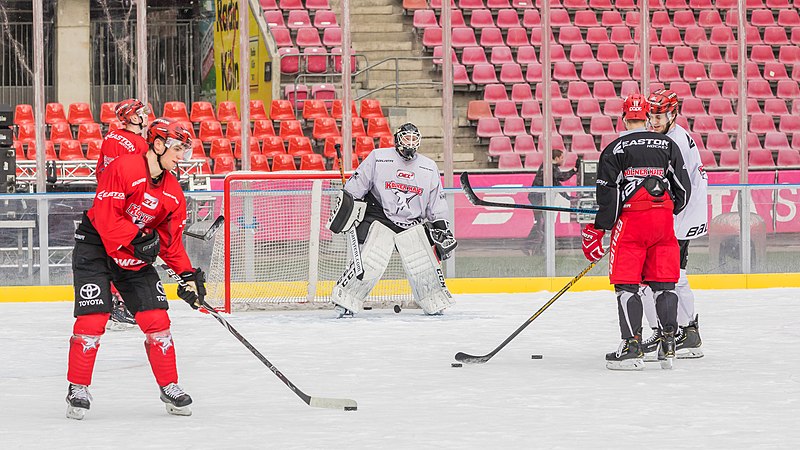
(690, 224)
(395, 200)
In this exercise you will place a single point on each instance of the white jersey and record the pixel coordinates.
(692, 222)
(410, 192)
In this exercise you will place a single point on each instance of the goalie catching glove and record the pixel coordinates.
(195, 291)
(441, 237)
(346, 212)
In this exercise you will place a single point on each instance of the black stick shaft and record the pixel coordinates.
(463, 357)
(475, 200)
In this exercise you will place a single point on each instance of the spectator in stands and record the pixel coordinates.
(534, 245)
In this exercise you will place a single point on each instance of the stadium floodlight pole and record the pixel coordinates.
(644, 29)
(244, 80)
(347, 115)
(744, 194)
(141, 51)
(472, 359)
(41, 155)
(316, 402)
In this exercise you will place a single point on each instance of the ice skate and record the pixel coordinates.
(688, 342)
(666, 351)
(176, 401)
(650, 346)
(627, 357)
(78, 401)
(121, 318)
(342, 312)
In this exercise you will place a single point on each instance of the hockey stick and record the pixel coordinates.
(209, 233)
(473, 198)
(470, 359)
(317, 402)
(352, 238)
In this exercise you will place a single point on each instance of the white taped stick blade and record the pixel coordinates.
(333, 403)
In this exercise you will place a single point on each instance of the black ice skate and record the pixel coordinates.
(650, 346)
(688, 342)
(121, 318)
(342, 312)
(78, 401)
(176, 401)
(666, 351)
(627, 357)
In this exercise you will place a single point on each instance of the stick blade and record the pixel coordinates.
(333, 403)
(467, 188)
(470, 359)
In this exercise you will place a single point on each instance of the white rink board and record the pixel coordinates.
(745, 393)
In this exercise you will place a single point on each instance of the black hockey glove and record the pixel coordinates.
(146, 246)
(195, 292)
(441, 237)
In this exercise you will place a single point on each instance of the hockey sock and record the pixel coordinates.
(667, 308)
(649, 305)
(158, 345)
(685, 300)
(629, 306)
(83, 346)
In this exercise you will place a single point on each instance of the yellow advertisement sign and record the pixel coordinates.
(226, 55)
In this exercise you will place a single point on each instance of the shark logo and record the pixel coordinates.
(162, 340)
(404, 193)
(88, 342)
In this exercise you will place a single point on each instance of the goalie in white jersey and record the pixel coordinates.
(395, 199)
(690, 224)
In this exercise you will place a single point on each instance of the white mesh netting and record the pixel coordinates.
(280, 254)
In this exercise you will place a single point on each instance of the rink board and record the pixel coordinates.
(10, 294)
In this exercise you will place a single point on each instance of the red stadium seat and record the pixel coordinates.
(299, 145)
(89, 130)
(220, 146)
(477, 109)
(499, 145)
(259, 162)
(511, 73)
(337, 111)
(578, 90)
(202, 111)
(527, 55)
(371, 108)
(281, 110)
(491, 37)
(533, 74)
(524, 144)
(721, 71)
(312, 161)
(583, 143)
(709, 54)
(570, 35)
(60, 132)
(505, 109)
(290, 128)
(704, 124)
(93, 149)
(227, 111)
(718, 142)
(601, 125)
(252, 143)
(561, 107)
(776, 141)
(707, 89)
(560, 18)
(594, 71)
(683, 54)
(54, 112)
(262, 129)
(585, 19)
(533, 160)
(283, 162)
(308, 37)
(514, 126)
(774, 36)
(597, 35)
(611, 18)
(509, 161)
(581, 53)
(489, 128)
(377, 127)
(759, 89)
(364, 146)
(507, 18)
(618, 71)
(79, 113)
(290, 60)
(325, 127)
(483, 74)
(695, 36)
(760, 158)
(790, 157)
(50, 152)
(775, 107)
(668, 72)
(471, 56)
(23, 114)
(570, 126)
(463, 37)
(273, 145)
(588, 107)
(70, 150)
(604, 90)
(719, 107)
(316, 60)
(176, 111)
(325, 19)
(530, 109)
(521, 92)
(517, 37)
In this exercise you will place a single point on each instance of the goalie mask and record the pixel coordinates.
(406, 140)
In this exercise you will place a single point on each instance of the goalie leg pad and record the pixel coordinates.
(423, 269)
(349, 291)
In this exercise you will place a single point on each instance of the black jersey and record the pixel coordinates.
(628, 161)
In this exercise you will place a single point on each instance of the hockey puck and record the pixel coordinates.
(536, 356)
(367, 308)
(351, 408)
(397, 309)
(456, 365)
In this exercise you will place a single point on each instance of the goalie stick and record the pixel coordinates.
(471, 359)
(473, 198)
(209, 233)
(352, 238)
(317, 402)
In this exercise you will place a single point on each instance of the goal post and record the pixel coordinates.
(275, 251)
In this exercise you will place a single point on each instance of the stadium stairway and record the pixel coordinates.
(380, 30)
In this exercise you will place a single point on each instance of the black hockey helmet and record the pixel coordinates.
(406, 140)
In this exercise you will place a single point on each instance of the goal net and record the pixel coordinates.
(275, 252)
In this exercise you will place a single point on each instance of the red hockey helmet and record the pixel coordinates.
(663, 101)
(170, 131)
(635, 107)
(129, 108)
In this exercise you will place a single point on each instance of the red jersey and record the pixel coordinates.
(117, 143)
(127, 201)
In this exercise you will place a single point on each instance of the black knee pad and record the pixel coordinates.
(659, 286)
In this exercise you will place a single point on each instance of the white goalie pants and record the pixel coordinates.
(419, 261)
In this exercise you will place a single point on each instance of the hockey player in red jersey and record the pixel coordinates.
(129, 139)
(641, 183)
(133, 114)
(138, 214)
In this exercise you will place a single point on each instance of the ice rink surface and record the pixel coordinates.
(745, 393)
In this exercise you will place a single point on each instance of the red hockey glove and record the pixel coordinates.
(593, 242)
